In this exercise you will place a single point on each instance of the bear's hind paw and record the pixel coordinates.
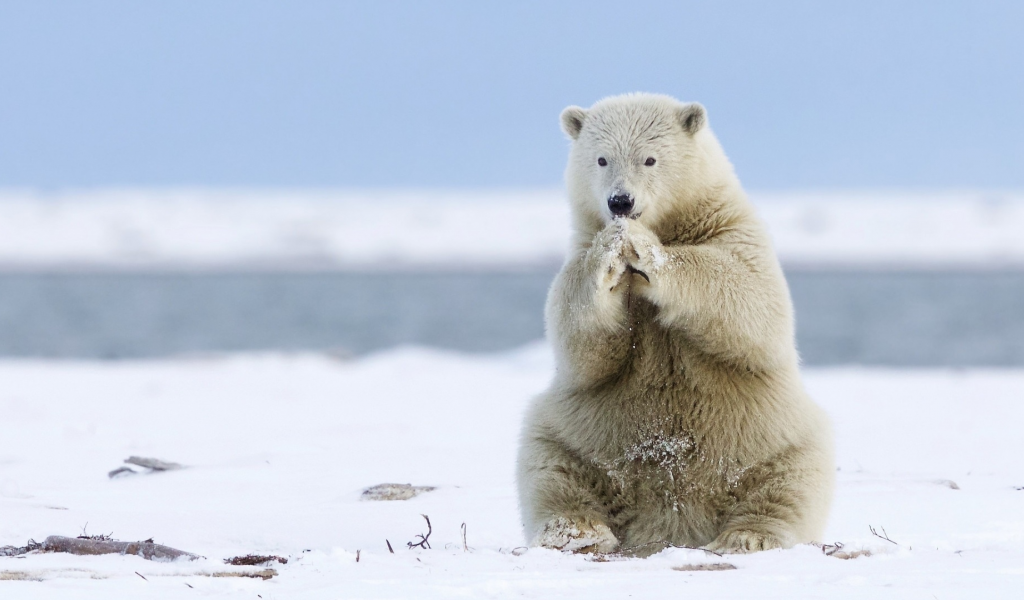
(580, 536)
(743, 541)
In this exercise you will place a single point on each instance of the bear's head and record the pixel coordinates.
(639, 156)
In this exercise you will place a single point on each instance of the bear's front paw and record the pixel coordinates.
(611, 251)
(611, 270)
(646, 252)
(742, 541)
(576, 535)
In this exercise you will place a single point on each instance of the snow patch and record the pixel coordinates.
(279, 448)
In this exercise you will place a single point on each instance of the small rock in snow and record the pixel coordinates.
(395, 491)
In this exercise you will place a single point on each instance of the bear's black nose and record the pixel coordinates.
(620, 205)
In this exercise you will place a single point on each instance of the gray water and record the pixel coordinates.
(872, 318)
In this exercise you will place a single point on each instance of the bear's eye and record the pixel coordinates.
(650, 161)
(602, 162)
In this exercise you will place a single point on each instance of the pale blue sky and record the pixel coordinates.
(861, 94)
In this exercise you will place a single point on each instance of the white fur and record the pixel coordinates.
(677, 413)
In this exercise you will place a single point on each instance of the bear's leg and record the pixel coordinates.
(782, 502)
(586, 310)
(559, 499)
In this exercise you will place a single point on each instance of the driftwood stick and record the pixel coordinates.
(153, 463)
(88, 547)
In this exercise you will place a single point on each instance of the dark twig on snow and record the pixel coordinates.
(390, 549)
(103, 537)
(883, 535)
(423, 543)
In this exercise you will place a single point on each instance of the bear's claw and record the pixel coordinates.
(633, 269)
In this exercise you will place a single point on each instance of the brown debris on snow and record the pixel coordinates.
(104, 545)
(837, 550)
(153, 465)
(265, 574)
(252, 560)
(46, 574)
(850, 554)
(20, 576)
(31, 546)
(706, 567)
(394, 491)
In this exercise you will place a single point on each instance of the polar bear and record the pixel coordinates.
(677, 414)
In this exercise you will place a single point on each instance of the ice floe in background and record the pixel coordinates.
(224, 229)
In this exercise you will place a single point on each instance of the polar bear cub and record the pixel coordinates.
(676, 414)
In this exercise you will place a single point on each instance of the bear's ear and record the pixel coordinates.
(572, 121)
(692, 117)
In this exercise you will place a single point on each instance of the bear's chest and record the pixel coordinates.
(666, 426)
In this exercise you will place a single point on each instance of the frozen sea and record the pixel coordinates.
(878, 278)
(901, 318)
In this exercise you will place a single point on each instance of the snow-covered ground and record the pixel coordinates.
(278, 448)
(206, 229)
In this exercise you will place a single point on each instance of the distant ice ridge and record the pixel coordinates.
(218, 229)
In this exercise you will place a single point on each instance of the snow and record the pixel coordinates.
(278, 448)
(303, 229)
